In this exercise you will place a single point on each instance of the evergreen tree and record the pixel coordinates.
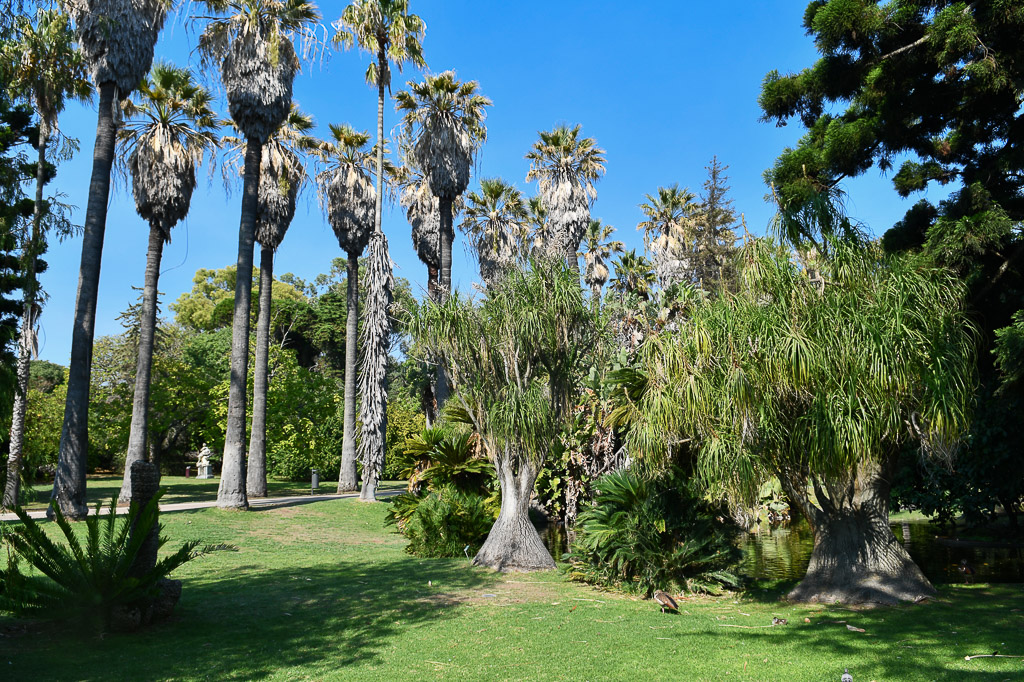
(716, 228)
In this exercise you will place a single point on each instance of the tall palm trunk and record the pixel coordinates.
(595, 296)
(368, 493)
(231, 493)
(256, 472)
(348, 479)
(12, 486)
(144, 367)
(69, 481)
(444, 288)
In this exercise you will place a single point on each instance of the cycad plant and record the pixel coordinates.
(282, 175)
(252, 41)
(117, 38)
(41, 64)
(597, 250)
(87, 581)
(170, 129)
(566, 167)
(670, 234)
(346, 191)
(495, 221)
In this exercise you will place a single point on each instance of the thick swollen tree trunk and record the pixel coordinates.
(72, 460)
(348, 479)
(12, 486)
(513, 543)
(856, 557)
(144, 365)
(256, 471)
(231, 493)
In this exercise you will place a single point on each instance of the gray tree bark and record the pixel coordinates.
(444, 289)
(856, 557)
(513, 543)
(144, 366)
(348, 479)
(12, 486)
(256, 471)
(231, 492)
(69, 481)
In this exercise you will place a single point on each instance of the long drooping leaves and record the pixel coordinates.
(808, 369)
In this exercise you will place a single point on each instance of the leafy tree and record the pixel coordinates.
(172, 129)
(597, 249)
(252, 40)
(43, 67)
(208, 306)
(515, 360)
(282, 175)
(117, 38)
(935, 87)
(669, 233)
(566, 167)
(444, 121)
(820, 386)
(496, 224)
(349, 198)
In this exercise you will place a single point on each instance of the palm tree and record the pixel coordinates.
(282, 175)
(496, 224)
(171, 129)
(633, 275)
(42, 65)
(385, 29)
(117, 38)
(346, 190)
(566, 167)
(669, 233)
(252, 41)
(541, 236)
(597, 249)
(444, 121)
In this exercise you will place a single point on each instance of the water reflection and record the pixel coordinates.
(783, 553)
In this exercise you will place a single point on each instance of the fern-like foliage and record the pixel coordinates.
(85, 577)
(644, 534)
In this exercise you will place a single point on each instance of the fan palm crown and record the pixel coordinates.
(495, 221)
(384, 28)
(346, 186)
(669, 230)
(597, 249)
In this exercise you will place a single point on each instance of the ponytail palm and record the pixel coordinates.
(252, 40)
(282, 175)
(346, 190)
(170, 128)
(597, 249)
(820, 382)
(566, 167)
(496, 223)
(117, 38)
(40, 64)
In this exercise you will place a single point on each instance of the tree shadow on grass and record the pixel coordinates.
(256, 622)
(911, 641)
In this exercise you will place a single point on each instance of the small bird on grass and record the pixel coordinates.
(967, 570)
(666, 601)
(779, 621)
(847, 677)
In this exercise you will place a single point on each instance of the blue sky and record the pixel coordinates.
(662, 86)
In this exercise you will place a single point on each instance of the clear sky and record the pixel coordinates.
(662, 86)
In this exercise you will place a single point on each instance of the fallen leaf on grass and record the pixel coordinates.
(853, 629)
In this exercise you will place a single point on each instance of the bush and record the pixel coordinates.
(643, 535)
(446, 522)
(404, 423)
(87, 583)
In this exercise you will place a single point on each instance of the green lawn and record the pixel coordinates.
(181, 489)
(324, 591)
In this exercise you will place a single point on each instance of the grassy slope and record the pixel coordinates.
(322, 591)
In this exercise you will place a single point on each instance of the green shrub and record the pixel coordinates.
(76, 582)
(642, 535)
(404, 422)
(447, 522)
(445, 455)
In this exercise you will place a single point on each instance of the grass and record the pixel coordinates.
(323, 591)
(180, 489)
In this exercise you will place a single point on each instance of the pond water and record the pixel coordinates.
(783, 553)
